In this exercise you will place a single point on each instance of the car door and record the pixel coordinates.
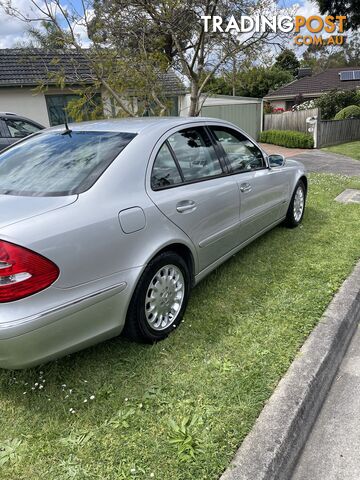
(190, 187)
(4, 140)
(18, 128)
(262, 191)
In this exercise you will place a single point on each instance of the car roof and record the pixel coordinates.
(133, 125)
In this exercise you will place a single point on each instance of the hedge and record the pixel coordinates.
(352, 111)
(287, 138)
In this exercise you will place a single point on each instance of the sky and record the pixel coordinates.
(13, 31)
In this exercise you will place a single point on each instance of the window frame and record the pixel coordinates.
(220, 158)
(230, 169)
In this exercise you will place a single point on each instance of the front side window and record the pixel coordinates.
(165, 171)
(21, 128)
(195, 153)
(56, 163)
(241, 153)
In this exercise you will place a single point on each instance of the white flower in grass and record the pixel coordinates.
(92, 397)
(85, 400)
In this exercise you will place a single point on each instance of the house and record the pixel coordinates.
(309, 87)
(22, 71)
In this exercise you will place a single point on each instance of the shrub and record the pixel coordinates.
(287, 138)
(352, 111)
(330, 103)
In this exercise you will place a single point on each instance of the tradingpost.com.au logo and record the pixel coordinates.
(315, 27)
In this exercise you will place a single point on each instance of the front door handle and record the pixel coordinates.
(245, 187)
(186, 206)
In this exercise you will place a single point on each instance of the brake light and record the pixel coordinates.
(23, 272)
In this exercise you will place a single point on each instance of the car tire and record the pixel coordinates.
(296, 208)
(159, 300)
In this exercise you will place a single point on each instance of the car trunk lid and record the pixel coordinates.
(15, 208)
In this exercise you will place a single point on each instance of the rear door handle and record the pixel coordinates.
(245, 187)
(186, 206)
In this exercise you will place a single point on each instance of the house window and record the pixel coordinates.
(57, 108)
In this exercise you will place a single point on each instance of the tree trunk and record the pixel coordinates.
(194, 99)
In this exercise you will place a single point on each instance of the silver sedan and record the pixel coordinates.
(105, 226)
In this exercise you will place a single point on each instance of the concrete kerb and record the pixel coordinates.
(272, 447)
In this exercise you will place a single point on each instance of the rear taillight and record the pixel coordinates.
(23, 272)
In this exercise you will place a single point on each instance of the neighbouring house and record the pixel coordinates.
(22, 71)
(309, 87)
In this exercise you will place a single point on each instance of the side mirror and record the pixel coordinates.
(276, 160)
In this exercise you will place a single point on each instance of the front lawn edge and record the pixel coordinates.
(271, 449)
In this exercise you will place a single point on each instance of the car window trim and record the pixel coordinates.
(172, 153)
(231, 171)
(219, 150)
(190, 182)
(196, 180)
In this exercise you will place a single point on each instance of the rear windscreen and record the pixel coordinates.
(56, 163)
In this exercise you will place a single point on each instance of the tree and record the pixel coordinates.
(175, 28)
(287, 60)
(349, 8)
(321, 57)
(47, 36)
(120, 74)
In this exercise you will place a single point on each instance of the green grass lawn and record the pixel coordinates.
(351, 149)
(178, 410)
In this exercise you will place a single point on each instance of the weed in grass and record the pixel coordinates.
(185, 436)
(10, 451)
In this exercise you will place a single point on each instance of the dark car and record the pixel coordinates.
(13, 127)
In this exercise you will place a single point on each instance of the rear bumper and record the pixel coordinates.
(67, 328)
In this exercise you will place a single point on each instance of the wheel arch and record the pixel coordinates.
(183, 251)
(304, 179)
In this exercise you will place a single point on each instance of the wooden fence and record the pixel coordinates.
(289, 120)
(329, 132)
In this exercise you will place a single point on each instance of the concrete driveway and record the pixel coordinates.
(318, 160)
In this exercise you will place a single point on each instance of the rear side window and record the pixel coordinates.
(54, 163)
(21, 128)
(241, 153)
(195, 153)
(165, 171)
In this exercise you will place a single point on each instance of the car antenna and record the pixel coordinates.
(67, 129)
